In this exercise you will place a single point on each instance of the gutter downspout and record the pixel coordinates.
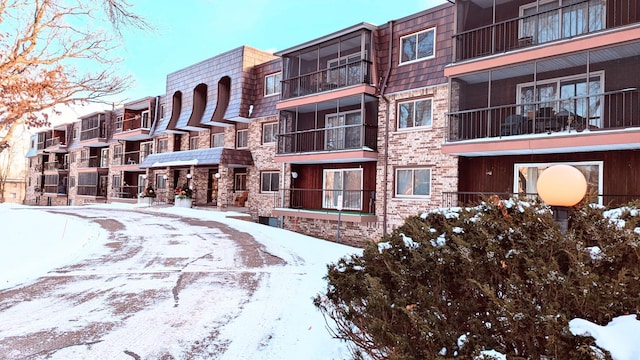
(386, 133)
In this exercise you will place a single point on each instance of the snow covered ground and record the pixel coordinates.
(278, 320)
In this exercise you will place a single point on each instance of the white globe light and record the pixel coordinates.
(561, 185)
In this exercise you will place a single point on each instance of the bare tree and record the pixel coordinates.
(57, 52)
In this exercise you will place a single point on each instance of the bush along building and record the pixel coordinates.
(344, 136)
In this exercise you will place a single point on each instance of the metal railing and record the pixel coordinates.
(353, 73)
(359, 201)
(55, 165)
(56, 141)
(129, 158)
(606, 111)
(329, 139)
(91, 190)
(91, 162)
(93, 133)
(132, 123)
(556, 24)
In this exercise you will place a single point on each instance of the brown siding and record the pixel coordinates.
(421, 73)
(265, 106)
(495, 173)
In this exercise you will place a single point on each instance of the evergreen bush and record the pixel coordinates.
(454, 282)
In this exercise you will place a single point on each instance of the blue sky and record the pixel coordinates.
(190, 31)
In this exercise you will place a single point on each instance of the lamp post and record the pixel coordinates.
(561, 186)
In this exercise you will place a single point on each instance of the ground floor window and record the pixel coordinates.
(269, 181)
(526, 177)
(342, 185)
(413, 182)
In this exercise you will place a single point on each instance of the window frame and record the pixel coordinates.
(245, 137)
(416, 35)
(217, 136)
(330, 196)
(557, 82)
(576, 164)
(414, 102)
(277, 84)
(274, 132)
(270, 189)
(412, 186)
(161, 182)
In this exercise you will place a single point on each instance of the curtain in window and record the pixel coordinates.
(342, 183)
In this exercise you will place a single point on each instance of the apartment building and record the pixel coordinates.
(344, 136)
(361, 125)
(535, 83)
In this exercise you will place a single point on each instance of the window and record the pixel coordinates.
(343, 131)
(552, 20)
(119, 123)
(146, 122)
(413, 182)
(104, 158)
(415, 114)
(193, 143)
(72, 181)
(573, 95)
(217, 140)
(240, 181)
(269, 181)
(272, 84)
(146, 149)
(343, 71)
(161, 182)
(117, 152)
(161, 111)
(116, 182)
(269, 132)
(342, 184)
(75, 132)
(526, 177)
(242, 138)
(418, 46)
(163, 145)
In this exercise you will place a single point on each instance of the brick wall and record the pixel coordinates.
(419, 147)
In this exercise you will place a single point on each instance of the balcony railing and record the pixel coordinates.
(126, 192)
(91, 162)
(54, 142)
(129, 158)
(132, 123)
(337, 77)
(606, 111)
(59, 189)
(54, 165)
(91, 190)
(92, 133)
(358, 201)
(337, 138)
(560, 23)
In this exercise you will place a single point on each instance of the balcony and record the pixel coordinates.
(90, 162)
(56, 144)
(129, 158)
(133, 128)
(322, 204)
(355, 72)
(545, 24)
(55, 166)
(615, 110)
(348, 137)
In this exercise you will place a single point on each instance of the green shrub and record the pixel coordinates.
(453, 282)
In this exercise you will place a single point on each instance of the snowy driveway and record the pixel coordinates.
(162, 286)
